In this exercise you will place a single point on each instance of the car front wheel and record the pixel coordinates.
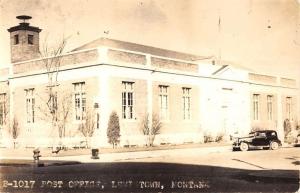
(274, 145)
(244, 146)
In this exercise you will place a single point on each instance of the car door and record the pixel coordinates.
(256, 139)
(259, 139)
(264, 139)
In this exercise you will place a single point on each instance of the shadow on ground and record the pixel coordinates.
(145, 177)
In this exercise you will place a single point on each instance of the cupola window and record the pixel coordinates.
(16, 39)
(30, 39)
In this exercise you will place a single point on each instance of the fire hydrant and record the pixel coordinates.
(36, 155)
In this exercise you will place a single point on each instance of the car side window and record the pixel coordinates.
(260, 135)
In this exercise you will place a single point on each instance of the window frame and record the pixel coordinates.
(289, 108)
(30, 105)
(186, 100)
(256, 106)
(128, 100)
(79, 101)
(16, 39)
(270, 101)
(163, 101)
(30, 39)
(3, 108)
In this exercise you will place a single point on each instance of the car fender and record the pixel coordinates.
(244, 141)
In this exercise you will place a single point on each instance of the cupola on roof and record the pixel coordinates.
(24, 25)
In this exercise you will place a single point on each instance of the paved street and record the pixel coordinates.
(284, 158)
(178, 170)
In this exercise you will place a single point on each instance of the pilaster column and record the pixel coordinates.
(279, 123)
(149, 93)
(100, 136)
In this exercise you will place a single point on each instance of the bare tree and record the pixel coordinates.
(52, 62)
(63, 111)
(4, 118)
(287, 131)
(151, 131)
(87, 128)
(4, 109)
(51, 58)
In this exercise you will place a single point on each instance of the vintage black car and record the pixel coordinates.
(258, 139)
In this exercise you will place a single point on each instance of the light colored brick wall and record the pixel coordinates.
(176, 122)
(127, 57)
(262, 78)
(174, 126)
(128, 126)
(69, 59)
(3, 86)
(263, 122)
(41, 128)
(294, 117)
(173, 64)
(4, 73)
(288, 82)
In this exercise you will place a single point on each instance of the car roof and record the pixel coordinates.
(263, 131)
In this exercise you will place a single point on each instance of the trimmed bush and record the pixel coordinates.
(113, 129)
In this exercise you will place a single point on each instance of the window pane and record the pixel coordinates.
(124, 112)
(16, 39)
(2, 108)
(30, 39)
(163, 101)
(289, 108)
(30, 105)
(127, 100)
(80, 100)
(255, 106)
(269, 107)
(33, 104)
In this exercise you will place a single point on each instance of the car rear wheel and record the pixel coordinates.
(274, 145)
(244, 146)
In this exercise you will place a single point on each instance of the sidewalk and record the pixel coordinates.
(131, 156)
(111, 155)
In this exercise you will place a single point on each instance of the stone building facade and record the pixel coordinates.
(192, 99)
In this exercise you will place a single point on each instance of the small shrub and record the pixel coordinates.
(219, 137)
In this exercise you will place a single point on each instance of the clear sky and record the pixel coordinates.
(259, 34)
